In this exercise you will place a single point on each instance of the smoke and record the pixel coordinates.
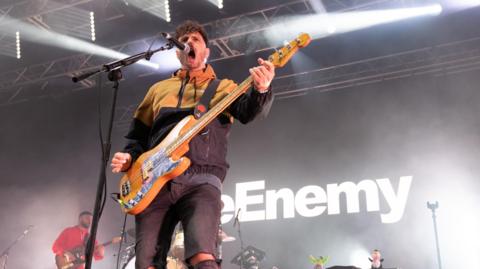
(50, 38)
(324, 24)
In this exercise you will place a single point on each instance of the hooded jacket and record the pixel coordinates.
(167, 102)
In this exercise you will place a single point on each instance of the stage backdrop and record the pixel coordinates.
(335, 174)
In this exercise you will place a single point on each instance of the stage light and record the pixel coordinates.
(92, 25)
(17, 42)
(71, 21)
(41, 36)
(317, 6)
(320, 25)
(167, 11)
(218, 3)
(158, 8)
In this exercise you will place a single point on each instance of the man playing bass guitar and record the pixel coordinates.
(192, 198)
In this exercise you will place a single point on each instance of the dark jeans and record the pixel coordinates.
(196, 206)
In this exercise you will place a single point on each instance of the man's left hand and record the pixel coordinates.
(262, 75)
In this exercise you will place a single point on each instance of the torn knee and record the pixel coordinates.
(205, 264)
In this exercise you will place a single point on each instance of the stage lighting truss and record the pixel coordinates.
(234, 36)
(10, 44)
(92, 25)
(218, 3)
(158, 8)
(71, 21)
(17, 45)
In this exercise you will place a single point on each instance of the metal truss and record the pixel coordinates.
(445, 59)
(31, 11)
(441, 60)
(241, 35)
(34, 8)
(230, 37)
(7, 45)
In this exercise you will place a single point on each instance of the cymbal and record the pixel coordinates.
(224, 237)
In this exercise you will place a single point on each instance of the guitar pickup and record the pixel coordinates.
(126, 188)
(146, 168)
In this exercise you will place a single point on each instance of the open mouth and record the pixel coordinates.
(191, 54)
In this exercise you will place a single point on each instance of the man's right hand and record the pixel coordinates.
(121, 161)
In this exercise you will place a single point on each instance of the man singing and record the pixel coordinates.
(193, 198)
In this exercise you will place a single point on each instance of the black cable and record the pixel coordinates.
(102, 143)
(121, 241)
(99, 111)
(153, 42)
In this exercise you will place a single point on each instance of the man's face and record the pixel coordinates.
(85, 221)
(376, 255)
(198, 54)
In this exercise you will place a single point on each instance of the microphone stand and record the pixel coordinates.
(122, 63)
(239, 231)
(6, 252)
(114, 74)
(433, 207)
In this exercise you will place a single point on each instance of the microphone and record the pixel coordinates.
(181, 46)
(236, 217)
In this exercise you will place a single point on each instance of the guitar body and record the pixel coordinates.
(62, 262)
(153, 169)
(71, 259)
(76, 256)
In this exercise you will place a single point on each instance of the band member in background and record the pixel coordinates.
(376, 259)
(193, 198)
(72, 238)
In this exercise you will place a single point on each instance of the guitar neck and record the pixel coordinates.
(278, 59)
(106, 243)
(210, 115)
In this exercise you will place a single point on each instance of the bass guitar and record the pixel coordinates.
(154, 168)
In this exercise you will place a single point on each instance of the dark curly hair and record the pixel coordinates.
(188, 27)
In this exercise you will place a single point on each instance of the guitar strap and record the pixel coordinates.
(204, 104)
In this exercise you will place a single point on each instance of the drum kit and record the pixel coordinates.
(175, 259)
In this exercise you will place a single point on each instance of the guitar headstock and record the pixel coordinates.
(116, 239)
(283, 55)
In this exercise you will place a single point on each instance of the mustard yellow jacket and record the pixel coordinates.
(170, 100)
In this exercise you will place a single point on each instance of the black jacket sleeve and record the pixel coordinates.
(137, 139)
(139, 133)
(251, 104)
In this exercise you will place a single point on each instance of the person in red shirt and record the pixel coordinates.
(73, 238)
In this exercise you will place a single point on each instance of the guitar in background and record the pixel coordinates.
(75, 258)
(69, 247)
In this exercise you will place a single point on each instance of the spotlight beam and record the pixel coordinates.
(33, 34)
(217, 3)
(321, 25)
(27, 9)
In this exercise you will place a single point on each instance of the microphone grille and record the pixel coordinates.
(187, 48)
